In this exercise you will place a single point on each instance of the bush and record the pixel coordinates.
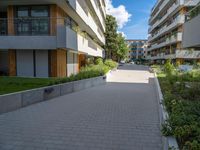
(110, 63)
(182, 101)
(169, 68)
(99, 61)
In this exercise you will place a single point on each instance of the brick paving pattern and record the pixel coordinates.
(121, 115)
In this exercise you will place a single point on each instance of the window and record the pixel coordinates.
(22, 12)
(32, 20)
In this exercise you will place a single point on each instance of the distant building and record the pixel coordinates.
(166, 31)
(137, 49)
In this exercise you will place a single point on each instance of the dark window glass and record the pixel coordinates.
(37, 22)
(22, 12)
(39, 11)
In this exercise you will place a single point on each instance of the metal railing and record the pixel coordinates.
(193, 13)
(32, 26)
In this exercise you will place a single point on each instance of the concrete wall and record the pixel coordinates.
(191, 34)
(18, 100)
(28, 42)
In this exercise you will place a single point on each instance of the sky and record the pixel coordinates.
(132, 16)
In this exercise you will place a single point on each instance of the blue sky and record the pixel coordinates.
(132, 16)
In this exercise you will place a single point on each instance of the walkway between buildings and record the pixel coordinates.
(121, 115)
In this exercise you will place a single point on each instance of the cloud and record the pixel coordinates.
(120, 13)
(139, 30)
(123, 34)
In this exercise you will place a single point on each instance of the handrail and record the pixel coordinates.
(193, 12)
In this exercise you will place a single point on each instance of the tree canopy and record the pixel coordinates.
(116, 47)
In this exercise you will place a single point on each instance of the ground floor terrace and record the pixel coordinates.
(40, 63)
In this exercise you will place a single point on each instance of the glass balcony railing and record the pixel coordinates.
(193, 13)
(33, 26)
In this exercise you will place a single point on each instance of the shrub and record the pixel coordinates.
(110, 63)
(99, 61)
(182, 101)
(169, 67)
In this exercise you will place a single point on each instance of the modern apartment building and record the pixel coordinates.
(137, 49)
(191, 34)
(49, 38)
(166, 31)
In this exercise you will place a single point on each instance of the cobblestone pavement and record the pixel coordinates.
(121, 115)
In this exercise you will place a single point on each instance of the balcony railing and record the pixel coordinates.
(33, 26)
(193, 13)
(179, 20)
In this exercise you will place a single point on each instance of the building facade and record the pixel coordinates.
(137, 49)
(49, 38)
(191, 34)
(166, 31)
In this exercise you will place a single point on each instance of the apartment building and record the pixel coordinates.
(49, 38)
(137, 49)
(166, 31)
(191, 33)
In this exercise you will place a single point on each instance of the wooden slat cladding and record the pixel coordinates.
(53, 22)
(10, 11)
(12, 62)
(57, 16)
(58, 63)
(81, 61)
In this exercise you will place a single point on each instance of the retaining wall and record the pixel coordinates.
(14, 101)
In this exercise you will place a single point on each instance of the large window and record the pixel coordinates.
(32, 20)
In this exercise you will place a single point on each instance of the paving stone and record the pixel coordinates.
(121, 115)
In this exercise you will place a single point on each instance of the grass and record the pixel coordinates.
(15, 84)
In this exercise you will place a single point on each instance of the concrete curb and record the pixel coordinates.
(14, 101)
(168, 142)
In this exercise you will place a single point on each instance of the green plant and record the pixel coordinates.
(99, 61)
(110, 63)
(169, 67)
(182, 101)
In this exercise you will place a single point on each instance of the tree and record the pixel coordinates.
(122, 49)
(116, 47)
(111, 36)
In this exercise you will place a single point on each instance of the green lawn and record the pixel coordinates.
(15, 84)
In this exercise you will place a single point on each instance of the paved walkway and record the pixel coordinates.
(121, 115)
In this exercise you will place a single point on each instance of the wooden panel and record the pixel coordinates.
(12, 62)
(81, 61)
(58, 63)
(179, 45)
(57, 16)
(53, 16)
(183, 10)
(180, 61)
(10, 12)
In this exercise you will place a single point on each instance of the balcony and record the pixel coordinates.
(179, 20)
(88, 46)
(186, 54)
(169, 12)
(191, 32)
(82, 10)
(37, 33)
(170, 40)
